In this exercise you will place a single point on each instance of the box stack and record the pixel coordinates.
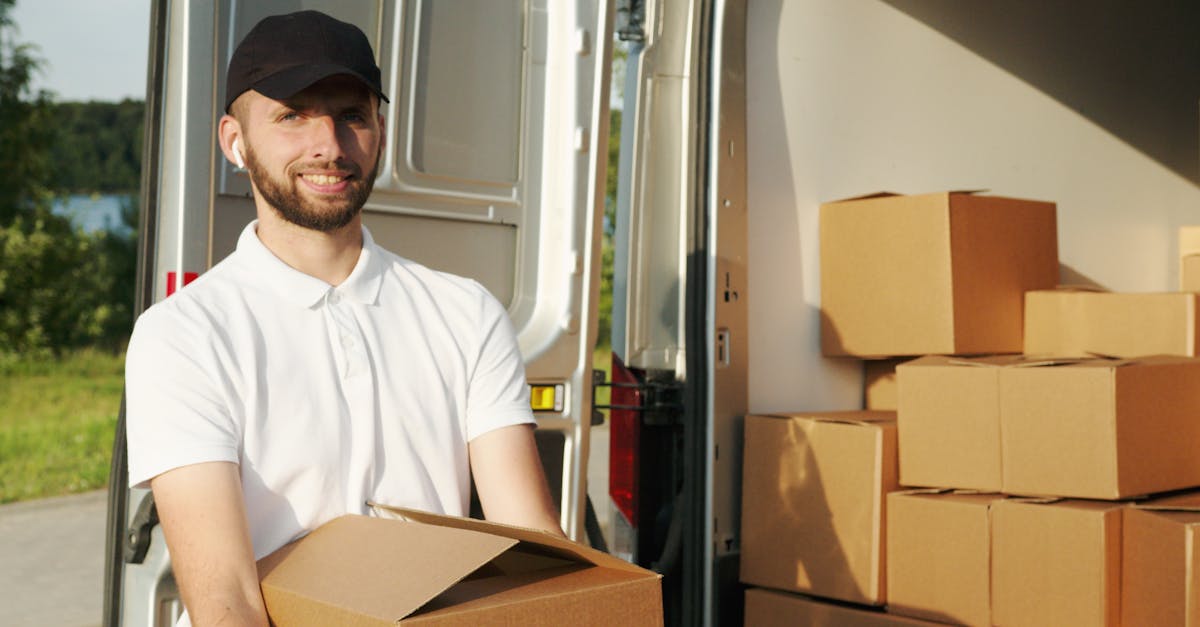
(1027, 418)
(1189, 258)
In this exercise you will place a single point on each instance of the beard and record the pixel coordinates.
(325, 215)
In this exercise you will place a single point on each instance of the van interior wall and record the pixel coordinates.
(848, 98)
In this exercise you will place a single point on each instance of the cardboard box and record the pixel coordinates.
(1056, 562)
(879, 384)
(1086, 428)
(768, 608)
(939, 546)
(949, 421)
(1189, 273)
(438, 570)
(1189, 258)
(1081, 323)
(813, 488)
(941, 273)
(1099, 428)
(1161, 562)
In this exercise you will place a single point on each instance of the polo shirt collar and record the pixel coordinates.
(306, 291)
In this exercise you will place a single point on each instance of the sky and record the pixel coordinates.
(92, 49)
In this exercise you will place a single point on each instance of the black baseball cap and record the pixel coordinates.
(283, 54)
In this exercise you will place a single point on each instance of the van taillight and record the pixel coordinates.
(624, 439)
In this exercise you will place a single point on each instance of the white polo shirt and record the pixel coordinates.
(325, 396)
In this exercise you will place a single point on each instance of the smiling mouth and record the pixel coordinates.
(324, 179)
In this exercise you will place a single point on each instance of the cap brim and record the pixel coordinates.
(287, 83)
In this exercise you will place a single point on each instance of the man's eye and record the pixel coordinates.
(291, 115)
(353, 117)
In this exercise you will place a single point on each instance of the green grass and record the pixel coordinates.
(57, 420)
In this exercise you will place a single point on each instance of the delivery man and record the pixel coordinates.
(312, 370)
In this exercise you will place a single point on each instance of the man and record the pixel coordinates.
(312, 370)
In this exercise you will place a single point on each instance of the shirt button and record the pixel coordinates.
(334, 298)
(347, 341)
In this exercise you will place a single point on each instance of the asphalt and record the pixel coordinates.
(52, 561)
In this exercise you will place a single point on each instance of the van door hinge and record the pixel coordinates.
(137, 535)
(630, 16)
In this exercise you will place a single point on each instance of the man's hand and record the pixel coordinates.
(510, 480)
(204, 520)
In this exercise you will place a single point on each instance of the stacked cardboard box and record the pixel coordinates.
(771, 608)
(1189, 258)
(936, 273)
(879, 383)
(1161, 562)
(1018, 420)
(1086, 428)
(813, 489)
(1071, 322)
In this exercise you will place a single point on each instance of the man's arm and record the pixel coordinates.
(204, 519)
(510, 480)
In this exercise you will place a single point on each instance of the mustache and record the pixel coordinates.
(339, 165)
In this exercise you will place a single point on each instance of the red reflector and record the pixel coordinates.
(173, 280)
(624, 451)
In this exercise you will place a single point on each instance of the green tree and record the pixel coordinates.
(25, 130)
(59, 288)
(98, 148)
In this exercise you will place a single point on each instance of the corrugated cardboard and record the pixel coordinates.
(1189, 258)
(938, 273)
(1189, 273)
(1161, 562)
(1056, 563)
(768, 608)
(949, 421)
(1079, 323)
(1101, 428)
(879, 384)
(438, 570)
(813, 508)
(939, 547)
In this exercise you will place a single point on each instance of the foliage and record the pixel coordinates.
(99, 146)
(59, 288)
(25, 130)
(604, 309)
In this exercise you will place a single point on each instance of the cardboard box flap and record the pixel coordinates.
(953, 192)
(1113, 362)
(861, 417)
(1015, 361)
(537, 542)
(1187, 502)
(435, 558)
(1076, 287)
(865, 197)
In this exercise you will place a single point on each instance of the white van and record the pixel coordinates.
(739, 119)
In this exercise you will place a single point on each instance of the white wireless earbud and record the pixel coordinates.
(237, 153)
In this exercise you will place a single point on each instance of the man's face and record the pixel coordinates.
(314, 156)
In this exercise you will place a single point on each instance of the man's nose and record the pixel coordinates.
(325, 140)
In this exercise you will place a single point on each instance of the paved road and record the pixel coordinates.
(52, 561)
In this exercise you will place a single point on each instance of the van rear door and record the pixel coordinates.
(496, 136)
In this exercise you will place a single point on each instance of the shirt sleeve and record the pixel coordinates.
(175, 411)
(498, 395)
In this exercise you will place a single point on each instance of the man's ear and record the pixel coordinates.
(229, 135)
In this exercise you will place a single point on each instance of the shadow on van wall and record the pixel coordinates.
(1133, 69)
